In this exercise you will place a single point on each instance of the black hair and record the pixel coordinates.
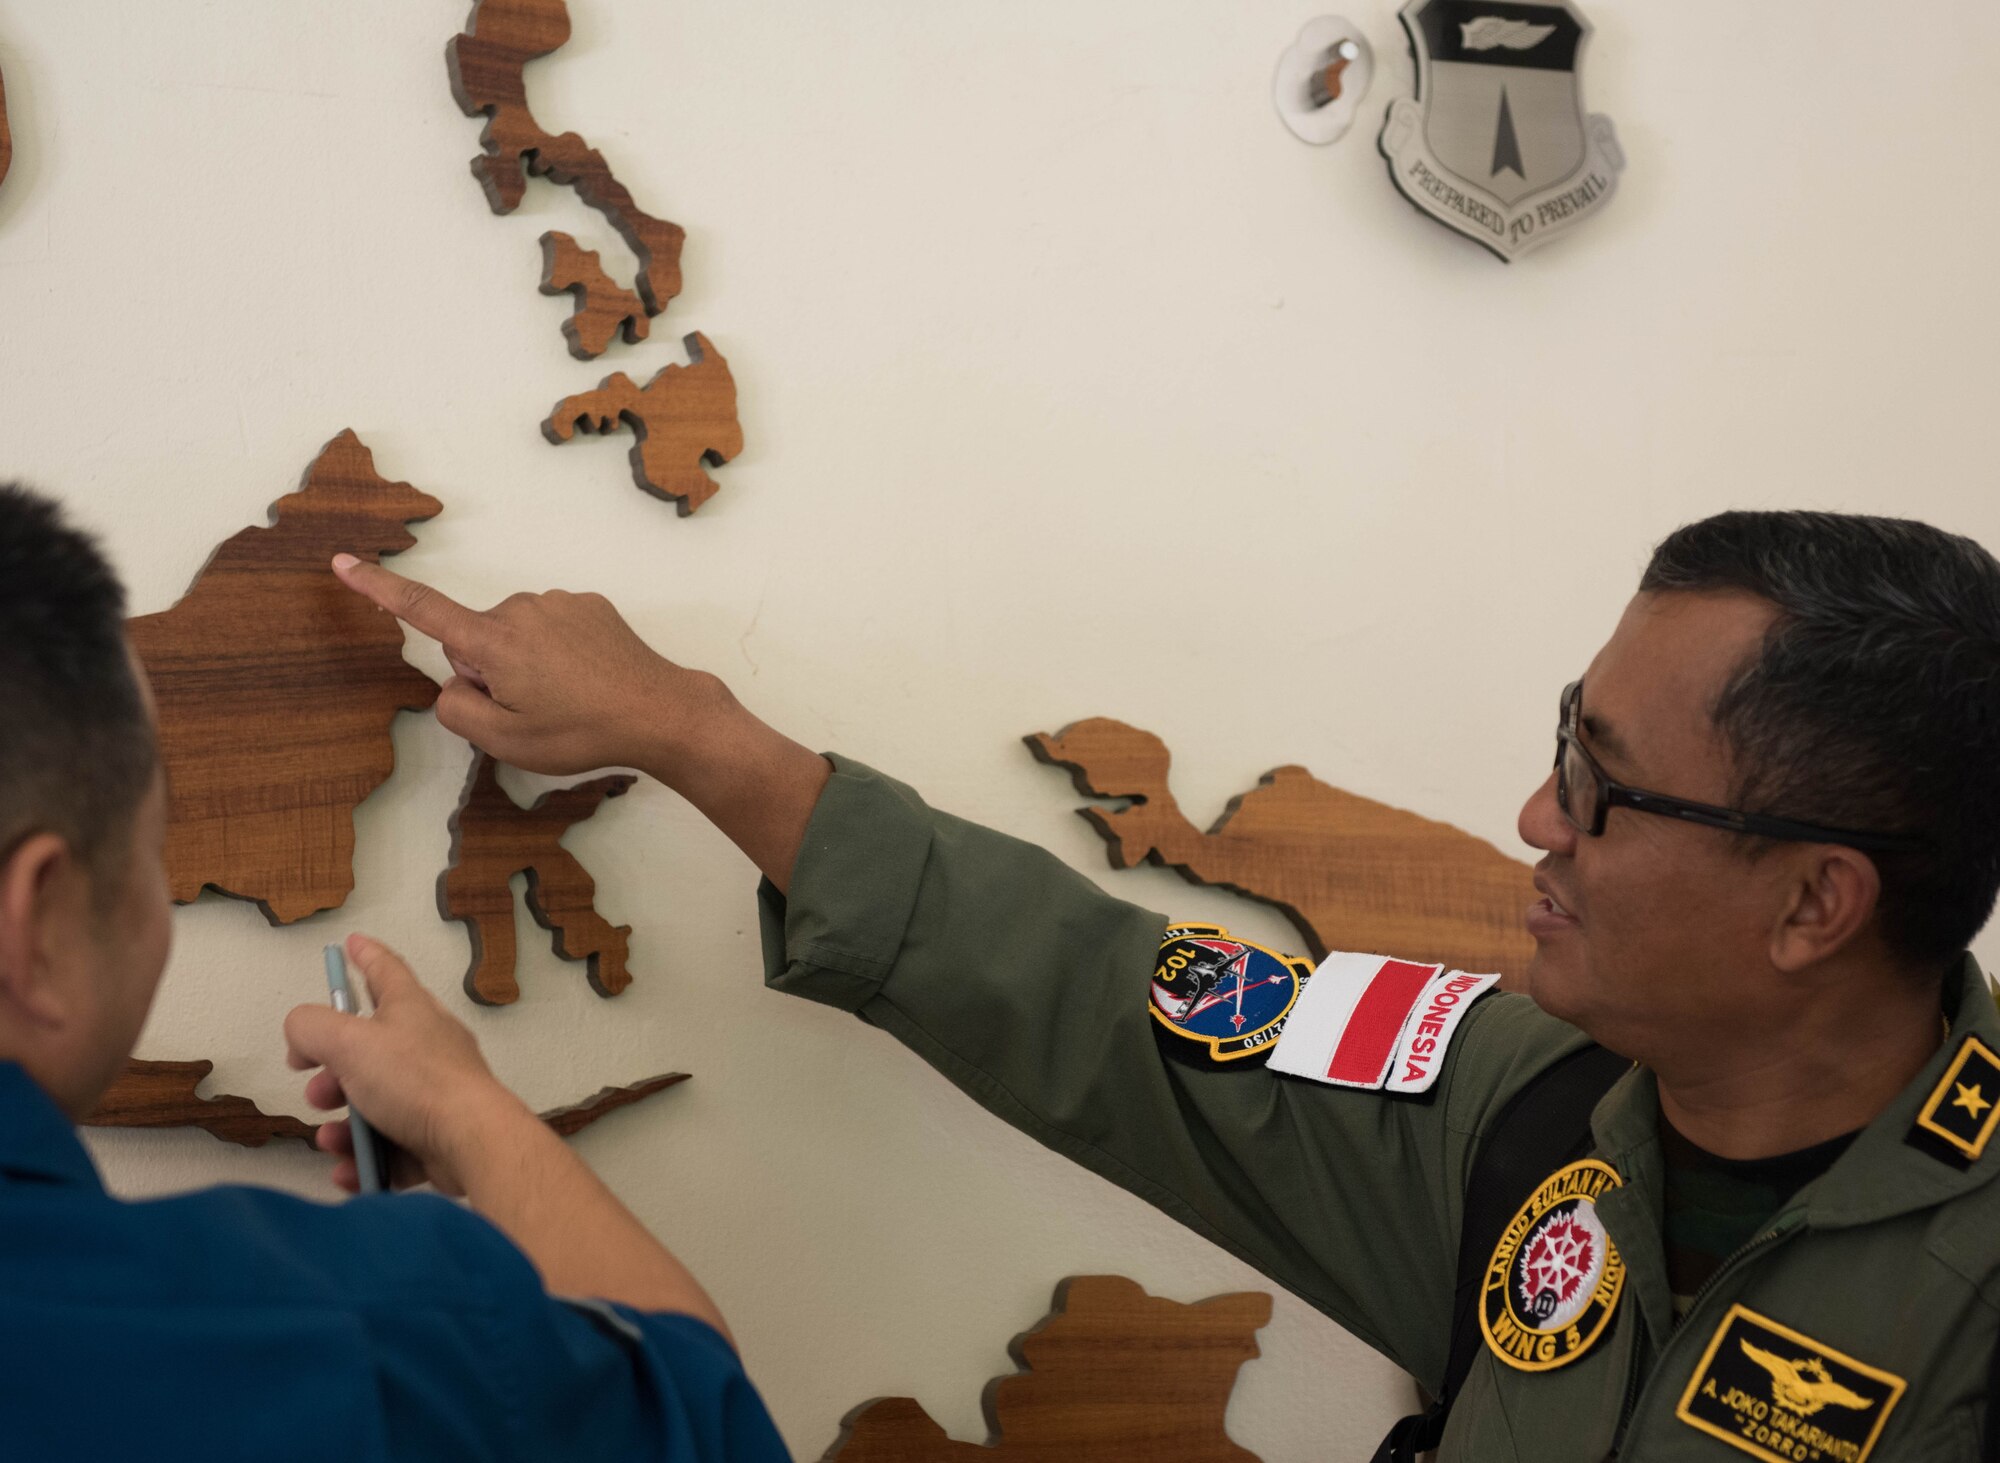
(77, 750)
(1874, 702)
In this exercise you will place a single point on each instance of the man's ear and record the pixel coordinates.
(37, 879)
(1833, 893)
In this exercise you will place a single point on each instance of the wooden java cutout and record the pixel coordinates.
(162, 1095)
(683, 417)
(604, 308)
(1351, 873)
(494, 838)
(276, 688)
(1113, 1376)
(488, 65)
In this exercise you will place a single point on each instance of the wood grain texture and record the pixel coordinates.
(494, 838)
(162, 1095)
(1113, 1376)
(604, 309)
(683, 418)
(488, 63)
(276, 689)
(1350, 873)
(6, 133)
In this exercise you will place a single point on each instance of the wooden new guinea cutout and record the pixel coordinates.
(488, 77)
(1113, 1376)
(276, 688)
(162, 1095)
(684, 417)
(1352, 874)
(494, 838)
(604, 308)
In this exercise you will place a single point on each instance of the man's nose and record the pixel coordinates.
(1542, 824)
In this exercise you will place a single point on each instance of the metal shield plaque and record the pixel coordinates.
(1495, 144)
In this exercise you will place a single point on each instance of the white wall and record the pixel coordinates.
(1073, 386)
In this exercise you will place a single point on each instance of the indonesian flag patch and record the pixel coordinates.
(1377, 1023)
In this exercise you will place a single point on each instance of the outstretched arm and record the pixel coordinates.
(559, 683)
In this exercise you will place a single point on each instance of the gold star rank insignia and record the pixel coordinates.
(1957, 1120)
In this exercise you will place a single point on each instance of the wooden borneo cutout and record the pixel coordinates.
(162, 1095)
(1113, 1376)
(494, 838)
(488, 65)
(683, 418)
(276, 688)
(604, 308)
(1352, 874)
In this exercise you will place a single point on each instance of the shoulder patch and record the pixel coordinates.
(1218, 1001)
(1776, 1394)
(1957, 1120)
(1555, 1277)
(1373, 1022)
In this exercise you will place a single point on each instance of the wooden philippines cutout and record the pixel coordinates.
(494, 838)
(488, 77)
(162, 1095)
(1114, 1375)
(276, 688)
(1350, 873)
(683, 418)
(604, 308)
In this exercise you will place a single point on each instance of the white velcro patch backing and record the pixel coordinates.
(1372, 1022)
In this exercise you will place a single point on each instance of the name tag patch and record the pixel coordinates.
(1555, 1277)
(1218, 1001)
(1776, 1394)
(1376, 1023)
(1957, 1120)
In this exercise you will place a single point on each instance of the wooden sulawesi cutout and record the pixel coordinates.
(494, 838)
(683, 417)
(487, 64)
(162, 1095)
(276, 688)
(1351, 873)
(604, 308)
(1113, 1376)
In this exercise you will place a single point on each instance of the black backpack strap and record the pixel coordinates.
(1543, 1126)
(1989, 1451)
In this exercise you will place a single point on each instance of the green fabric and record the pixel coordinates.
(1025, 985)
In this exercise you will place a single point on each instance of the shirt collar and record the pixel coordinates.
(37, 1143)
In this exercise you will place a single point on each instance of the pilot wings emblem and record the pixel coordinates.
(1489, 31)
(1803, 1386)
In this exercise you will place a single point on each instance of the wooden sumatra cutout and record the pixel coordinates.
(1113, 1376)
(604, 308)
(1352, 874)
(684, 417)
(487, 65)
(494, 838)
(162, 1095)
(276, 688)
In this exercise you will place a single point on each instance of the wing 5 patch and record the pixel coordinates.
(1218, 1001)
(1555, 1277)
(1373, 1022)
(1776, 1394)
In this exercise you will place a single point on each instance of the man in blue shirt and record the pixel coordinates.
(238, 1325)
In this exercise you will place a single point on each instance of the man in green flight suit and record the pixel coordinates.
(1771, 832)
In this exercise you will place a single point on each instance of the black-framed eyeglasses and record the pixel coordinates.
(1587, 796)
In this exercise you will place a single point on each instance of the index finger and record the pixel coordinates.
(432, 611)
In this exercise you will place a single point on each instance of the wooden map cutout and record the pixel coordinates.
(162, 1095)
(276, 687)
(683, 418)
(488, 76)
(494, 838)
(604, 308)
(1113, 1376)
(1350, 873)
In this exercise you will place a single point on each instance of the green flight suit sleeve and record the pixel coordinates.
(1026, 985)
